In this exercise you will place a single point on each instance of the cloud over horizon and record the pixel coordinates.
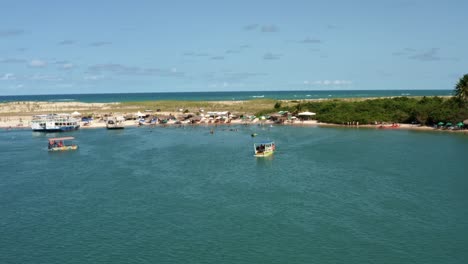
(67, 42)
(269, 29)
(271, 56)
(430, 55)
(310, 41)
(328, 82)
(120, 69)
(100, 43)
(413, 54)
(261, 28)
(37, 63)
(8, 76)
(11, 32)
(12, 60)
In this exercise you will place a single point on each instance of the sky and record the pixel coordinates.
(64, 47)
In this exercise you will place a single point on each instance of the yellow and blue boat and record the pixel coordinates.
(59, 144)
(264, 149)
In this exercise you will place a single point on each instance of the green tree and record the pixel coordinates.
(461, 89)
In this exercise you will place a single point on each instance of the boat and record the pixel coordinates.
(264, 149)
(59, 144)
(54, 123)
(115, 123)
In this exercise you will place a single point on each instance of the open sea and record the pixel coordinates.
(221, 96)
(183, 195)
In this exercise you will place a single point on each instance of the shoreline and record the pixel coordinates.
(309, 123)
(17, 115)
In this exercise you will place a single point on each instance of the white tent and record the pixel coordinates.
(306, 114)
(75, 113)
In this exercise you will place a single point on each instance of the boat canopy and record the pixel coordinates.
(264, 142)
(61, 138)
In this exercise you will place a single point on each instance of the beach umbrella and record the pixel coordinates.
(440, 123)
(75, 113)
(460, 124)
(465, 122)
(448, 124)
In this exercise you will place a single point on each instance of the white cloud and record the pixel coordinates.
(67, 66)
(328, 82)
(269, 28)
(37, 63)
(271, 56)
(44, 77)
(93, 77)
(8, 76)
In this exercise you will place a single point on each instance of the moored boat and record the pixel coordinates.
(264, 149)
(59, 144)
(115, 123)
(54, 123)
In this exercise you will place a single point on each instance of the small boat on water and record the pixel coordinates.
(54, 123)
(115, 123)
(59, 144)
(264, 149)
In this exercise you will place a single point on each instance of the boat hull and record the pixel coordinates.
(264, 154)
(64, 148)
(59, 129)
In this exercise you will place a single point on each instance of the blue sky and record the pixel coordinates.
(50, 47)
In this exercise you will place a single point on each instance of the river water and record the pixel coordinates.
(183, 195)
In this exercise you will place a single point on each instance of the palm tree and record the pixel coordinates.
(461, 89)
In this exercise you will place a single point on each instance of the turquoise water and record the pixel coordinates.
(182, 195)
(222, 96)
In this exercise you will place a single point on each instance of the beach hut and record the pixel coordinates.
(305, 115)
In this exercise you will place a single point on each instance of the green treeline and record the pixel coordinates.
(426, 110)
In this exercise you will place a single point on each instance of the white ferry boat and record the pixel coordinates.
(54, 123)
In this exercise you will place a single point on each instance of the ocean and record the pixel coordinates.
(183, 195)
(221, 96)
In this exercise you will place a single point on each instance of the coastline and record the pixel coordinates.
(18, 115)
(15, 124)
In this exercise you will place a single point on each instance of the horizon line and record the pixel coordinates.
(231, 91)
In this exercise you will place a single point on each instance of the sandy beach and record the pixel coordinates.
(18, 115)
